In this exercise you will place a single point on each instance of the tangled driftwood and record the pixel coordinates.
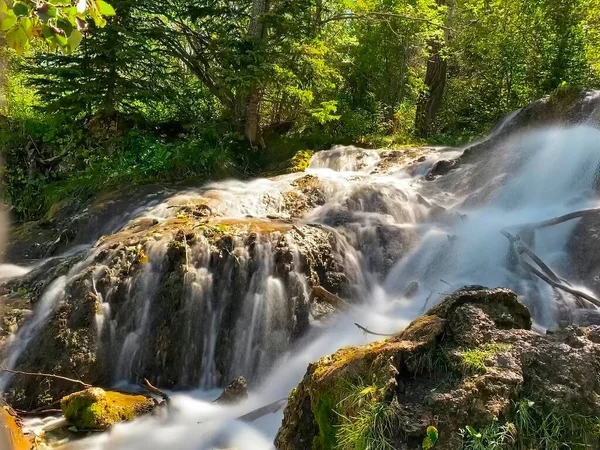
(543, 271)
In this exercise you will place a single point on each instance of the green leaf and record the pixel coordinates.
(427, 444)
(20, 9)
(47, 32)
(65, 25)
(61, 40)
(17, 39)
(7, 21)
(75, 39)
(432, 434)
(26, 24)
(105, 8)
(473, 432)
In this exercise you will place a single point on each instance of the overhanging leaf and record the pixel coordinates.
(105, 8)
(7, 21)
(17, 39)
(20, 9)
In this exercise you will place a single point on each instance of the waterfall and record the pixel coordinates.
(232, 296)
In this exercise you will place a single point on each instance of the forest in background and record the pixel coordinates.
(170, 90)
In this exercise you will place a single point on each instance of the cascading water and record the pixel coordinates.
(243, 302)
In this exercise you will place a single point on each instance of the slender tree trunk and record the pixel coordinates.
(248, 108)
(430, 100)
(3, 74)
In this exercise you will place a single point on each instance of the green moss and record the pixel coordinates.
(324, 411)
(96, 409)
(473, 360)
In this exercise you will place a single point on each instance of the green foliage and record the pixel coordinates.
(59, 24)
(149, 90)
(529, 426)
(367, 422)
(431, 439)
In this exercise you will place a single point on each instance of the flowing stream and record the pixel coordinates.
(440, 234)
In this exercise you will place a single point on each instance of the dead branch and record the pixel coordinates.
(45, 375)
(427, 301)
(559, 220)
(156, 391)
(271, 408)
(546, 274)
(522, 248)
(328, 297)
(299, 231)
(560, 286)
(366, 330)
(38, 413)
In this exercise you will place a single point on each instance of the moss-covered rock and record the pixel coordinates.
(96, 409)
(471, 361)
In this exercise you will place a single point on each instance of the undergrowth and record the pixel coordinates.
(529, 427)
(366, 420)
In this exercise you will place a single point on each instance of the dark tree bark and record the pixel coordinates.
(248, 108)
(430, 100)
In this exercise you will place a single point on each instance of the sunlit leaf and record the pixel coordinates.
(17, 39)
(105, 8)
(7, 21)
(75, 39)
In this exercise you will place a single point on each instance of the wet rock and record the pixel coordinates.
(96, 409)
(308, 193)
(235, 392)
(442, 168)
(470, 361)
(127, 309)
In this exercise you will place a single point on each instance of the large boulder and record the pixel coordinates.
(471, 367)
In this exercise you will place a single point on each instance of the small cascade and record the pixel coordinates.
(215, 282)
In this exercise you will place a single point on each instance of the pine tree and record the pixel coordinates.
(116, 70)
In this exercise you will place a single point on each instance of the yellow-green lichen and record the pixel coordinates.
(301, 160)
(96, 409)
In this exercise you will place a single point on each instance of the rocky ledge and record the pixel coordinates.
(469, 374)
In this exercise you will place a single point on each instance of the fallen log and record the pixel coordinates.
(271, 408)
(328, 297)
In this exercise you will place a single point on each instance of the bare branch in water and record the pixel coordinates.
(366, 330)
(559, 220)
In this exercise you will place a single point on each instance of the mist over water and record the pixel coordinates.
(526, 179)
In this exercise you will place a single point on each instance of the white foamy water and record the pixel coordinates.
(390, 239)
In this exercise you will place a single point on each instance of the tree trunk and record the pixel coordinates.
(431, 98)
(249, 109)
(3, 73)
